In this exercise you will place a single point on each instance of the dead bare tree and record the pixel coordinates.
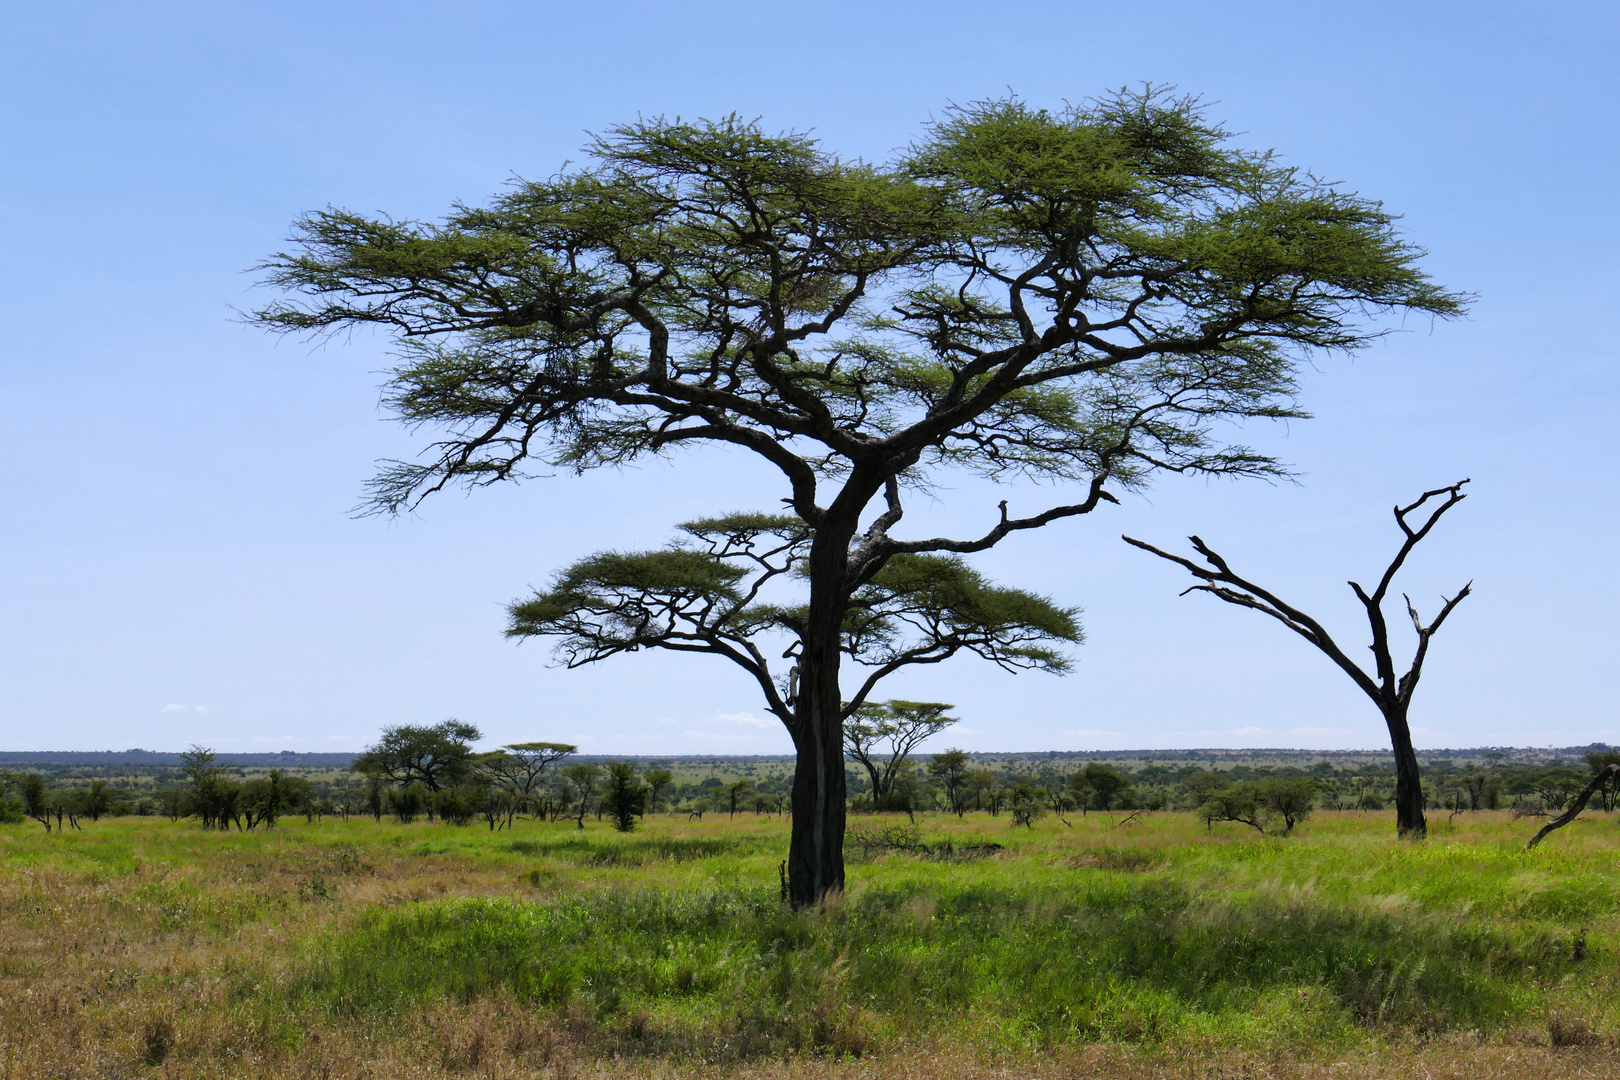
(1391, 693)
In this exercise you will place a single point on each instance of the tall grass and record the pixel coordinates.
(148, 942)
(1104, 958)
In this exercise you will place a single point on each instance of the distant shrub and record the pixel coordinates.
(1262, 804)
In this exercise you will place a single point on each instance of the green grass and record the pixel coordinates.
(1148, 933)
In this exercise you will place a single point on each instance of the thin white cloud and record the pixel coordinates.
(744, 719)
(200, 708)
(734, 742)
(174, 708)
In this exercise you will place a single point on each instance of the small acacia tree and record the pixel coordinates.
(736, 791)
(1105, 783)
(581, 777)
(657, 780)
(520, 768)
(1075, 297)
(435, 756)
(882, 735)
(950, 768)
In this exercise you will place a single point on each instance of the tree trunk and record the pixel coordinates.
(816, 848)
(1409, 819)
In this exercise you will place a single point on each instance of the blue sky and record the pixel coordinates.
(177, 562)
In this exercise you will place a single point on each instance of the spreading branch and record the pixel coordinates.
(1382, 685)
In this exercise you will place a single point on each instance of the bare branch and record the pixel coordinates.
(1248, 594)
(1576, 807)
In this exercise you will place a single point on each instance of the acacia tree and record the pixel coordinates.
(657, 780)
(1077, 297)
(1390, 690)
(520, 767)
(882, 735)
(581, 776)
(950, 768)
(434, 755)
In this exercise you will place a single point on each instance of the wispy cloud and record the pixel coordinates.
(744, 719)
(174, 708)
(736, 733)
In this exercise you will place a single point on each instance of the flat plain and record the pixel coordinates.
(1106, 945)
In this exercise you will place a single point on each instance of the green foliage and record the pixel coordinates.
(1608, 791)
(1027, 802)
(940, 599)
(434, 756)
(1129, 223)
(734, 794)
(1105, 783)
(625, 796)
(408, 802)
(950, 769)
(1200, 784)
(457, 805)
(657, 780)
(1260, 804)
(1552, 785)
(914, 609)
(581, 777)
(32, 789)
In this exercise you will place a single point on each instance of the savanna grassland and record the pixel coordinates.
(1106, 946)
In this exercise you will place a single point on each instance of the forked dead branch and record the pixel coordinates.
(1392, 693)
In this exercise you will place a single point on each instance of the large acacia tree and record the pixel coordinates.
(1078, 297)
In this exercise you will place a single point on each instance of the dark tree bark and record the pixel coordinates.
(1391, 694)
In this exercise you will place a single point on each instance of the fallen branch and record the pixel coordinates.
(1580, 804)
(1128, 820)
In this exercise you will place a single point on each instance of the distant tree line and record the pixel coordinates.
(433, 773)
